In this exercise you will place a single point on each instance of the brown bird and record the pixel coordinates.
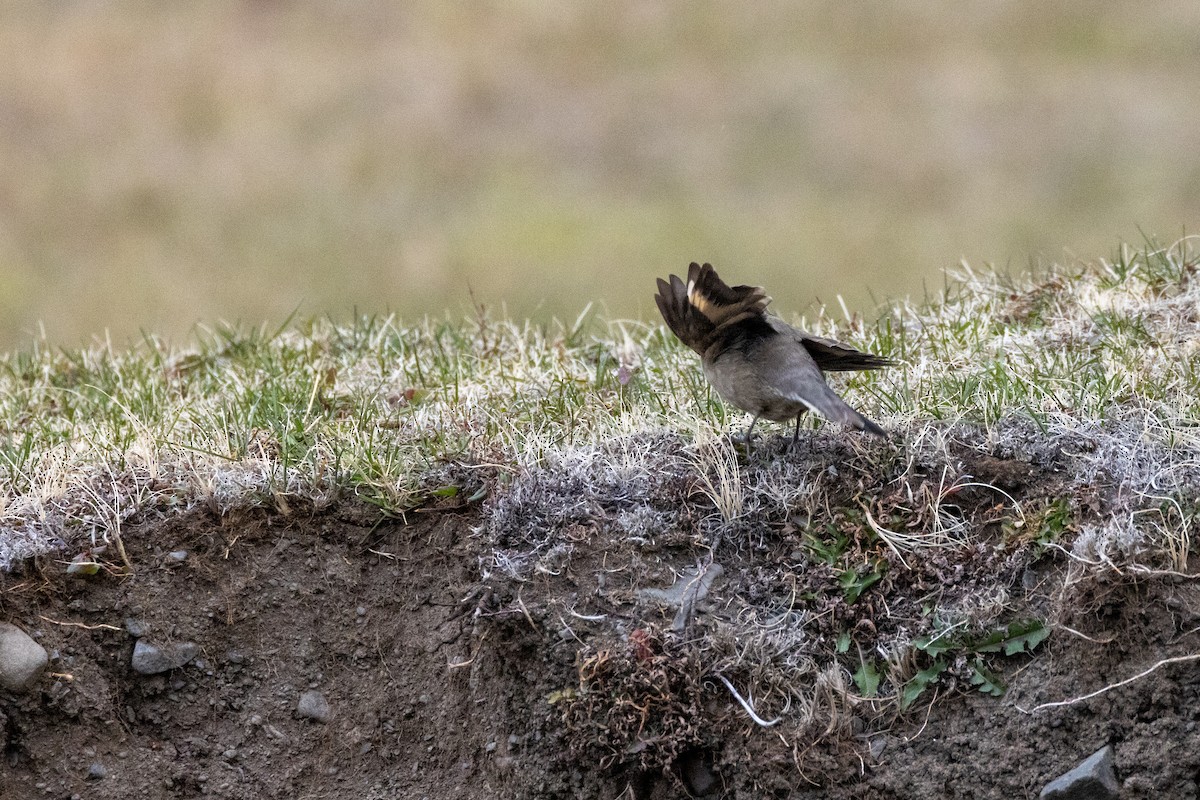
(755, 360)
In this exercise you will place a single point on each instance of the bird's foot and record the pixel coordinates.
(742, 442)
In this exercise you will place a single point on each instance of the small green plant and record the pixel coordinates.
(867, 677)
(985, 680)
(918, 683)
(853, 576)
(855, 581)
(1046, 525)
(1015, 638)
(828, 549)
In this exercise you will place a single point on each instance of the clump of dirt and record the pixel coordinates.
(446, 679)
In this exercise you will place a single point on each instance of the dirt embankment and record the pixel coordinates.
(443, 684)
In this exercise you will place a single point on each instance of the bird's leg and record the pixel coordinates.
(796, 435)
(748, 432)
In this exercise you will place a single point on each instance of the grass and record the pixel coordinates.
(377, 407)
(1050, 417)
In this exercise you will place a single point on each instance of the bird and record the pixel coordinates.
(755, 360)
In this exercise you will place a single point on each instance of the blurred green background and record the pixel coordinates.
(168, 163)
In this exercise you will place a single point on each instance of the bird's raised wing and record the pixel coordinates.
(705, 306)
(832, 355)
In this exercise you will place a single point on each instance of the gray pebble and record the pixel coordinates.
(97, 771)
(877, 744)
(135, 627)
(314, 706)
(1093, 779)
(1029, 580)
(22, 660)
(150, 659)
(178, 556)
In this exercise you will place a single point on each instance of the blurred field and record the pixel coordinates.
(168, 163)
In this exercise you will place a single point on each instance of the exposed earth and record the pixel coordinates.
(443, 682)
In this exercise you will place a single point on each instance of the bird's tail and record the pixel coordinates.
(823, 400)
(705, 305)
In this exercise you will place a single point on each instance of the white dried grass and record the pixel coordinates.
(1096, 369)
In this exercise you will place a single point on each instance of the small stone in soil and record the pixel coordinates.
(314, 706)
(22, 660)
(151, 659)
(877, 744)
(1093, 779)
(97, 771)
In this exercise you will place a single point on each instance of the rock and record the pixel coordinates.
(151, 659)
(22, 660)
(689, 589)
(178, 556)
(314, 706)
(135, 627)
(876, 745)
(1093, 779)
(96, 771)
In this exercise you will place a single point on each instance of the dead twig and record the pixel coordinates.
(100, 626)
(746, 705)
(1075, 700)
(1083, 635)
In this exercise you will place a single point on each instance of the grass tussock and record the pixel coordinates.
(1100, 360)
(1034, 420)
